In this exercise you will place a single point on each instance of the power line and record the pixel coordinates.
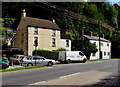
(73, 15)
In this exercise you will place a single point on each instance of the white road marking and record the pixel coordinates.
(70, 75)
(37, 83)
(108, 66)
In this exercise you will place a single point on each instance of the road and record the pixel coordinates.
(33, 76)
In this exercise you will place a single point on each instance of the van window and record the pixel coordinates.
(81, 54)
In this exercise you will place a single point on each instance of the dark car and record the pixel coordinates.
(3, 65)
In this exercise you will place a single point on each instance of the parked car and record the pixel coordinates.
(3, 65)
(38, 60)
(16, 58)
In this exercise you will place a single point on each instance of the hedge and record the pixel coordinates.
(47, 54)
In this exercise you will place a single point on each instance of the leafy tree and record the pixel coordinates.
(115, 39)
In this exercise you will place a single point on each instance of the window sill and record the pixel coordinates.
(53, 35)
(53, 46)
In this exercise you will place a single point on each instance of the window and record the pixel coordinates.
(104, 53)
(81, 54)
(53, 32)
(36, 41)
(35, 31)
(107, 44)
(94, 43)
(101, 44)
(93, 54)
(67, 43)
(53, 42)
(108, 53)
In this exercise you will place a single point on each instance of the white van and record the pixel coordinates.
(69, 56)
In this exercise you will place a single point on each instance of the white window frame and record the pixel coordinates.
(36, 31)
(67, 43)
(53, 42)
(53, 32)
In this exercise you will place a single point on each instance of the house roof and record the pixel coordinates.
(95, 38)
(29, 21)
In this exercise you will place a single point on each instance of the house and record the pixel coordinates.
(65, 42)
(45, 32)
(105, 46)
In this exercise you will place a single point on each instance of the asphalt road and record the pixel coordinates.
(26, 77)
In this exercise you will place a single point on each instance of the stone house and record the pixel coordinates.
(46, 32)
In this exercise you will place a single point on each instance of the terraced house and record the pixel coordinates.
(46, 32)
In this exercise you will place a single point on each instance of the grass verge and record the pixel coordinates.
(21, 68)
(101, 59)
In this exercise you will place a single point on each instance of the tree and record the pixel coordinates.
(6, 31)
(115, 40)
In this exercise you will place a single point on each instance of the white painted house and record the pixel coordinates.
(105, 47)
(65, 42)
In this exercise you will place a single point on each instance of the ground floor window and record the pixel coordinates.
(53, 42)
(93, 54)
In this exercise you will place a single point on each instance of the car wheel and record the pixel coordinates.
(84, 60)
(69, 61)
(4, 67)
(50, 64)
(29, 64)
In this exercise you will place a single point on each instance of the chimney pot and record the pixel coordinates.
(24, 13)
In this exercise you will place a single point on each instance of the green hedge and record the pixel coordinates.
(47, 54)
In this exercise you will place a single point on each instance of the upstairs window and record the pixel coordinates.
(94, 43)
(67, 43)
(53, 32)
(53, 42)
(35, 31)
(101, 44)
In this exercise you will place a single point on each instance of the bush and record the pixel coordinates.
(47, 54)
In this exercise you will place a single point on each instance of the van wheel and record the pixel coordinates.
(84, 60)
(68, 61)
(29, 64)
(50, 64)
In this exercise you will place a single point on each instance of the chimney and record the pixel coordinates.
(91, 33)
(103, 35)
(24, 13)
(53, 20)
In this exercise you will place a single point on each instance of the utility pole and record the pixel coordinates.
(83, 38)
(99, 40)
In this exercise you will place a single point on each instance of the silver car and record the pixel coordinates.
(38, 60)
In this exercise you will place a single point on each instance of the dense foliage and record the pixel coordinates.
(70, 24)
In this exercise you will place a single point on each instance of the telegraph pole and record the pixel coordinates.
(99, 40)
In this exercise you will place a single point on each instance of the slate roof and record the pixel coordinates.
(95, 38)
(36, 22)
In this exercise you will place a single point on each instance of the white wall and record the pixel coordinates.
(104, 48)
(63, 44)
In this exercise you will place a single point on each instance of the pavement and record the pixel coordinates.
(83, 78)
(14, 66)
